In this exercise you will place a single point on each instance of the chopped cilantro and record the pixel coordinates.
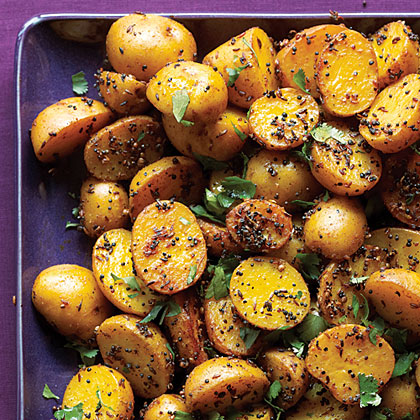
(80, 84)
(404, 364)
(100, 402)
(235, 72)
(300, 79)
(309, 265)
(238, 132)
(358, 280)
(70, 413)
(184, 221)
(252, 50)
(180, 102)
(141, 136)
(71, 225)
(48, 394)
(368, 391)
(248, 336)
(210, 163)
(200, 211)
(130, 281)
(168, 346)
(192, 274)
(304, 204)
(182, 415)
(311, 327)
(161, 310)
(324, 131)
(88, 356)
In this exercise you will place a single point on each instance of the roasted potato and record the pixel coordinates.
(103, 206)
(139, 351)
(164, 407)
(283, 120)
(169, 250)
(261, 412)
(63, 127)
(328, 222)
(103, 393)
(141, 44)
(223, 382)
(247, 64)
(347, 74)
(269, 293)
(172, 177)
(68, 297)
(120, 150)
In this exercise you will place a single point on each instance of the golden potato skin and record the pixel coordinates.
(395, 294)
(205, 87)
(120, 150)
(223, 382)
(302, 52)
(112, 256)
(175, 177)
(139, 351)
(338, 355)
(103, 206)
(217, 140)
(336, 228)
(115, 392)
(258, 77)
(397, 52)
(284, 366)
(283, 121)
(282, 177)
(400, 396)
(260, 411)
(347, 74)
(141, 44)
(393, 120)
(122, 92)
(269, 293)
(164, 407)
(68, 297)
(347, 167)
(63, 127)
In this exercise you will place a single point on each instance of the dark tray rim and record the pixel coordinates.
(20, 40)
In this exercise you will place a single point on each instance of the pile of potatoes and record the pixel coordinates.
(200, 257)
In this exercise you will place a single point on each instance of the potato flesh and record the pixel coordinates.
(269, 293)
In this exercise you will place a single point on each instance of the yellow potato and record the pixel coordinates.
(141, 44)
(202, 87)
(139, 351)
(261, 412)
(63, 127)
(269, 293)
(164, 407)
(103, 387)
(68, 297)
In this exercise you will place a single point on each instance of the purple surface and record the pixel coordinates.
(13, 15)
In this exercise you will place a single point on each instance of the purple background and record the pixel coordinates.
(13, 14)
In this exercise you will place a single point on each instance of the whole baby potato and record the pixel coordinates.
(71, 301)
(336, 228)
(103, 206)
(164, 407)
(140, 44)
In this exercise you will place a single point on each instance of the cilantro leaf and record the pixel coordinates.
(71, 225)
(248, 336)
(100, 402)
(245, 160)
(356, 306)
(416, 148)
(324, 131)
(200, 211)
(182, 415)
(161, 310)
(48, 394)
(141, 136)
(214, 415)
(168, 346)
(218, 287)
(239, 133)
(326, 196)
(300, 79)
(252, 50)
(192, 274)
(311, 327)
(75, 212)
(304, 204)
(70, 413)
(274, 391)
(305, 153)
(380, 414)
(309, 265)
(180, 102)
(398, 339)
(237, 187)
(210, 163)
(368, 391)
(235, 72)
(212, 203)
(88, 356)
(184, 221)
(408, 416)
(130, 281)
(80, 84)
(290, 339)
(232, 414)
(403, 364)
(358, 280)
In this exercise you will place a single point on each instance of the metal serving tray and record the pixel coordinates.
(44, 64)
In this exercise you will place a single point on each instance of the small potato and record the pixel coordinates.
(103, 391)
(202, 88)
(164, 407)
(285, 367)
(176, 177)
(348, 166)
(103, 206)
(395, 294)
(169, 250)
(269, 293)
(400, 396)
(224, 326)
(336, 228)
(252, 54)
(397, 52)
(218, 140)
(123, 93)
(218, 240)
(63, 127)
(223, 382)
(283, 121)
(141, 44)
(260, 412)
(68, 297)
(301, 52)
(187, 329)
(338, 355)
(112, 265)
(393, 120)
(347, 74)
(320, 404)
(139, 351)
(259, 225)
(120, 150)
(282, 177)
